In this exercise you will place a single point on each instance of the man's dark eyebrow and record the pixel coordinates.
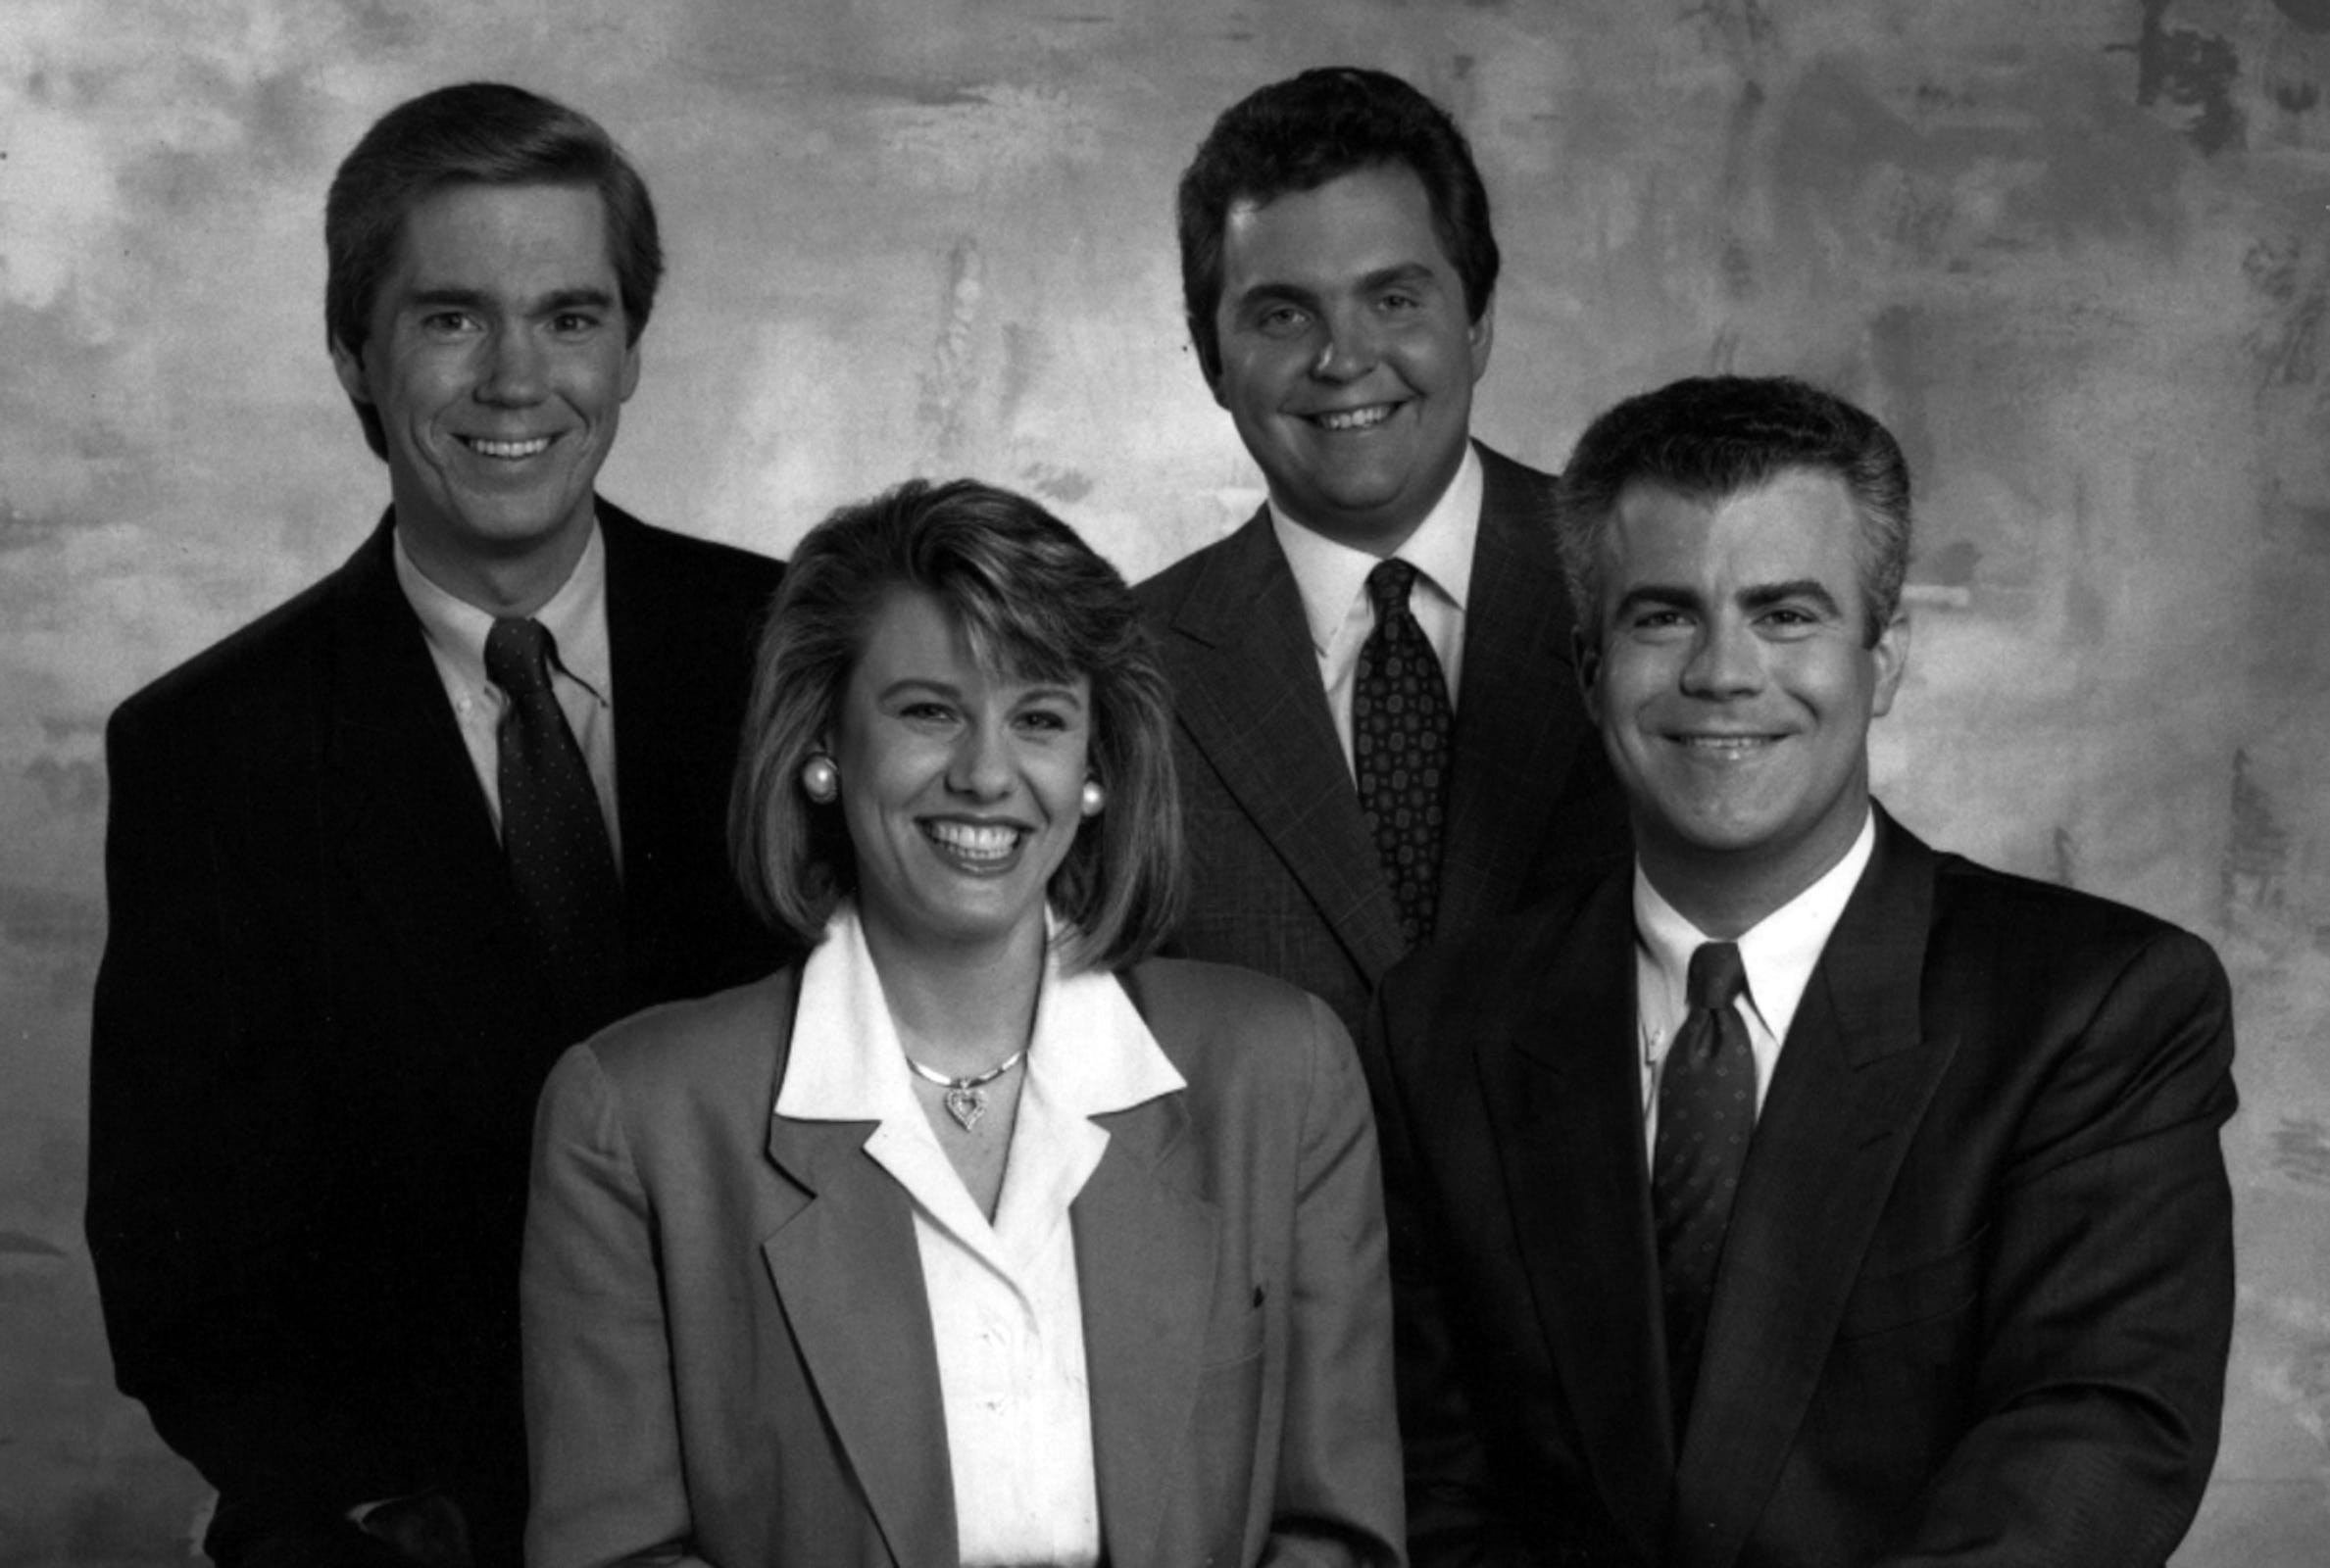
(1659, 594)
(1409, 273)
(1765, 595)
(450, 297)
(1270, 293)
(571, 299)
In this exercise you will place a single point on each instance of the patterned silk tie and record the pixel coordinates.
(553, 834)
(1706, 1113)
(1400, 723)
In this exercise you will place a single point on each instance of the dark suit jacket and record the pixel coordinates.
(1284, 876)
(319, 1035)
(729, 1356)
(1977, 1290)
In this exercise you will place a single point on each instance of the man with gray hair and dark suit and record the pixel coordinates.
(1378, 730)
(1800, 1194)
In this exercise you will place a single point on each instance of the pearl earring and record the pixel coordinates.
(821, 780)
(1094, 796)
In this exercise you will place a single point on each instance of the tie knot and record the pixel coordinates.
(1388, 585)
(517, 655)
(1716, 978)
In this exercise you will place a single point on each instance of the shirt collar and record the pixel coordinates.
(1778, 951)
(575, 618)
(1090, 1047)
(1331, 575)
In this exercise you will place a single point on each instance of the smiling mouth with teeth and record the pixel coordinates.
(506, 449)
(1365, 419)
(1729, 745)
(974, 841)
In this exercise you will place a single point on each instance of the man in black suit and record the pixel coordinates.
(1801, 1194)
(375, 858)
(1378, 734)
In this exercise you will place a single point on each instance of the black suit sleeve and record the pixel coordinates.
(1455, 1518)
(2107, 1301)
(202, 1179)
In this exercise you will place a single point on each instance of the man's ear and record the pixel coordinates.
(348, 364)
(1482, 336)
(1208, 366)
(1586, 655)
(1892, 656)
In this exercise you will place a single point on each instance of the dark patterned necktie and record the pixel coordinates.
(553, 834)
(1400, 723)
(1706, 1113)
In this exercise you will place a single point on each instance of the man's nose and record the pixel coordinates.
(1353, 344)
(514, 368)
(1726, 661)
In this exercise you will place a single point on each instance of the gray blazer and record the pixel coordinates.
(728, 1351)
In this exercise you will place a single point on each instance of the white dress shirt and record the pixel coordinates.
(1005, 1307)
(1778, 951)
(582, 676)
(1332, 580)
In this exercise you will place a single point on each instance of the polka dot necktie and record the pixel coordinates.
(1706, 1113)
(553, 834)
(1400, 723)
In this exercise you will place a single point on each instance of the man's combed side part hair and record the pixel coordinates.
(1712, 437)
(1300, 133)
(478, 134)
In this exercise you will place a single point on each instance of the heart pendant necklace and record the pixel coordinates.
(967, 1098)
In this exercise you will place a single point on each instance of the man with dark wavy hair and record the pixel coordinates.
(375, 858)
(1380, 738)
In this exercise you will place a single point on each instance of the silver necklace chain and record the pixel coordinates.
(965, 1099)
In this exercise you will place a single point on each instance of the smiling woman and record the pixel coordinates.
(967, 788)
(977, 1236)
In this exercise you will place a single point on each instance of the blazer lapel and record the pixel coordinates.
(1564, 1095)
(401, 801)
(844, 1262)
(1519, 725)
(1853, 1080)
(1247, 689)
(1146, 1255)
(669, 718)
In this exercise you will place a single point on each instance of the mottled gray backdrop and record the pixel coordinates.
(2077, 254)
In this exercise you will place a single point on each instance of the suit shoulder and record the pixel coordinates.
(682, 1049)
(709, 556)
(274, 653)
(1163, 592)
(1186, 987)
(702, 567)
(2045, 921)
(1221, 1023)
(1497, 467)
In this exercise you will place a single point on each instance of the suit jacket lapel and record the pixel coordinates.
(1517, 724)
(842, 1256)
(403, 804)
(1564, 1087)
(1146, 1255)
(1246, 688)
(668, 718)
(1853, 1080)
